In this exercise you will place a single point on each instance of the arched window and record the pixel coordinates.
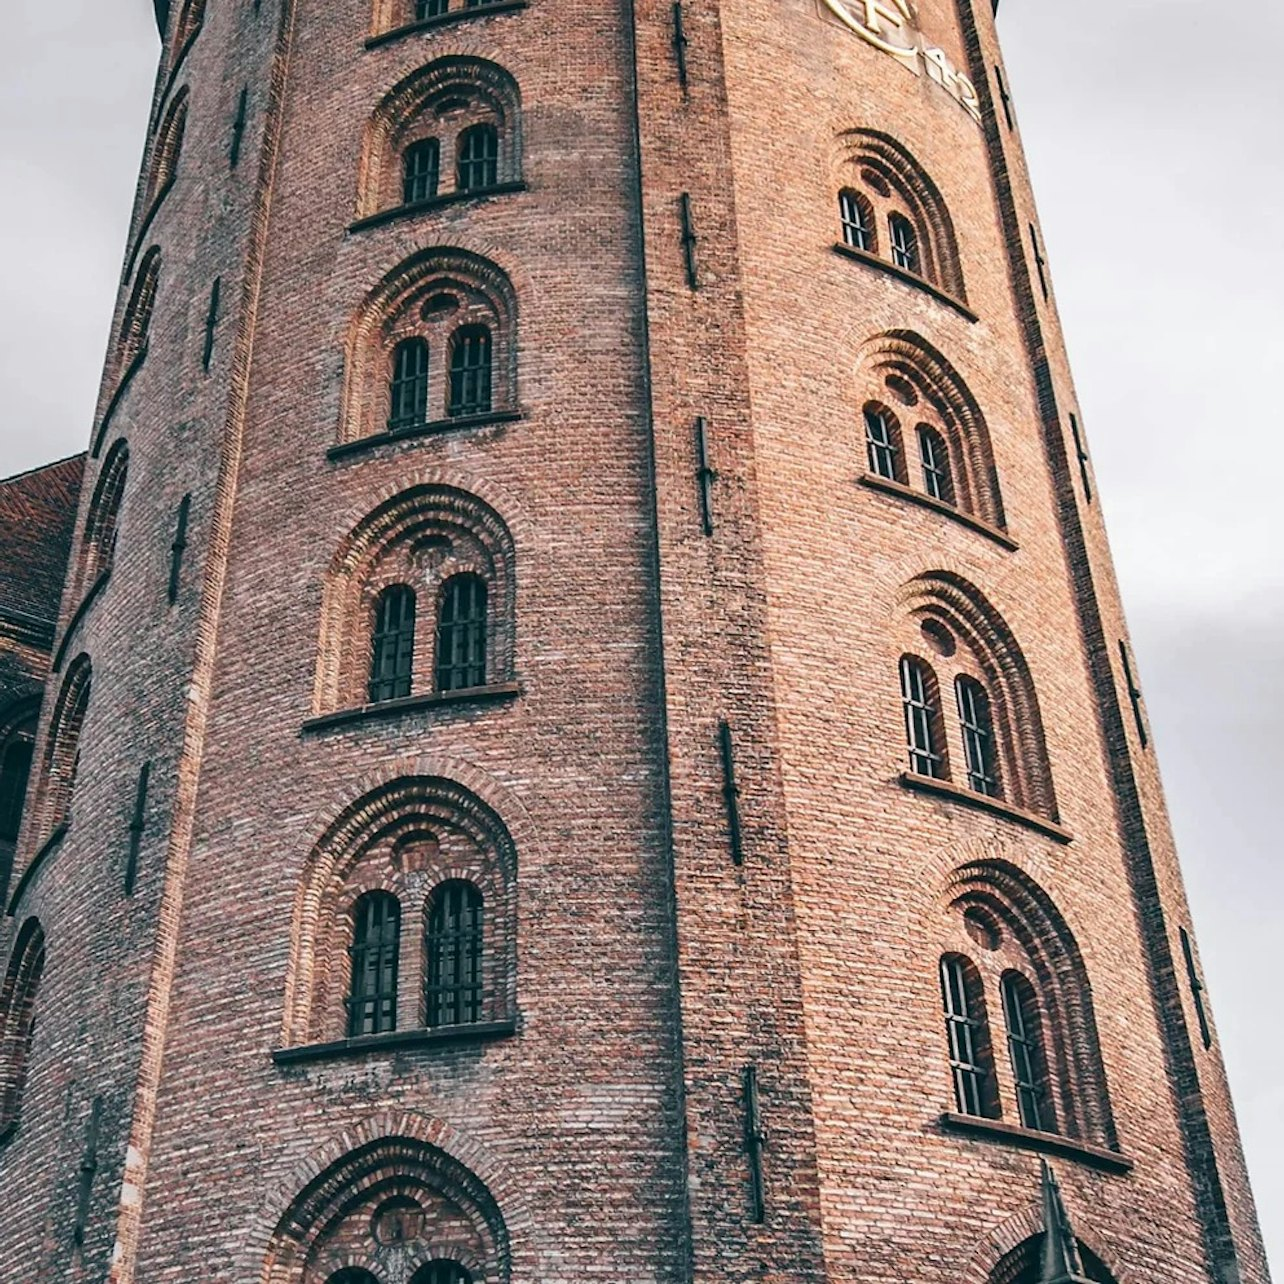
(441, 1272)
(18, 1020)
(376, 942)
(15, 771)
(883, 443)
(352, 1275)
(922, 702)
(938, 480)
(136, 323)
(968, 1032)
(191, 18)
(461, 634)
(61, 759)
(1025, 1047)
(169, 146)
(421, 168)
(408, 397)
(453, 983)
(99, 544)
(857, 217)
(477, 158)
(904, 243)
(470, 370)
(977, 726)
(392, 650)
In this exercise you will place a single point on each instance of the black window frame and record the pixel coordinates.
(856, 216)
(421, 168)
(472, 360)
(902, 243)
(1025, 1052)
(477, 157)
(392, 644)
(883, 450)
(408, 385)
(937, 470)
(374, 964)
(454, 955)
(463, 610)
(921, 702)
(968, 1038)
(980, 745)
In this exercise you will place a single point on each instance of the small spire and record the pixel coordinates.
(1061, 1263)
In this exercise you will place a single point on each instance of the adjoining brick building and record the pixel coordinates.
(590, 732)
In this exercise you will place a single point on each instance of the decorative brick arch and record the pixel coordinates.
(135, 325)
(946, 602)
(98, 543)
(867, 158)
(187, 26)
(408, 1157)
(473, 291)
(1011, 1250)
(437, 101)
(1002, 899)
(61, 758)
(905, 370)
(167, 149)
(410, 833)
(420, 535)
(17, 1017)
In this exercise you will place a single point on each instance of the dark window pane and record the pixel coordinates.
(15, 770)
(429, 9)
(937, 480)
(376, 940)
(880, 442)
(904, 243)
(420, 168)
(441, 1272)
(968, 1039)
(922, 718)
(470, 371)
(408, 403)
(454, 949)
(461, 634)
(478, 158)
(392, 652)
(857, 216)
(978, 737)
(1021, 1015)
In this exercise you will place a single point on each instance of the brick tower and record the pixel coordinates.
(590, 732)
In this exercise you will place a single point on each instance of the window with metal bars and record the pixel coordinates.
(857, 217)
(425, 9)
(937, 479)
(470, 371)
(420, 168)
(882, 442)
(408, 400)
(392, 650)
(478, 158)
(454, 954)
(904, 243)
(376, 942)
(1025, 1046)
(969, 1038)
(441, 1272)
(977, 725)
(15, 771)
(922, 718)
(461, 634)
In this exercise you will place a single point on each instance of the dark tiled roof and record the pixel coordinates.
(37, 518)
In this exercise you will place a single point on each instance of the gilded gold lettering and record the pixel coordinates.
(873, 35)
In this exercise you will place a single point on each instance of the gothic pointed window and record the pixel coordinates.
(461, 634)
(420, 170)
(857, 217)
(376, 941)
(882, 443)
(470, 371)
(937, 479)
(921, 699)
(392, 652)
(454, 950)
(977, 725)
(15, 771)
(904, 243)
(478, 158)
(1025, 1047)
(409, 393)
(967, 1030)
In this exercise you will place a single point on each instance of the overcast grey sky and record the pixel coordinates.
(1155, 129)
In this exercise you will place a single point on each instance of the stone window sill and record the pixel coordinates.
(1047, 1143)
(982, 802)
(434, 203)
(445, 20)
(409, 704)
(436, 427)
(910, 278)
(901, 491)
(396, 1041)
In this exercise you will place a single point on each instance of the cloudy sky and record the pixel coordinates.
(1154, 129)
